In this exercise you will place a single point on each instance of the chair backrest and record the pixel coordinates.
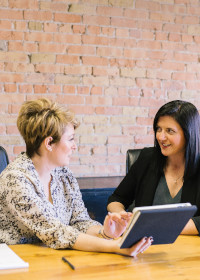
(131, 157)
(3, 159)
(96, 202)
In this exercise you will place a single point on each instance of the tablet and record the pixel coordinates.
(163, 222)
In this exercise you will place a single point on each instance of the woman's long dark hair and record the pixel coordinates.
(187, 116)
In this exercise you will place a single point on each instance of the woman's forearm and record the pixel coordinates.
(91, 243)
(190, 228)
(86, 242)
(115, 207)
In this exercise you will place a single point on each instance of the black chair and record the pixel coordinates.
(96, 202)
(4, 161)
(131, 156)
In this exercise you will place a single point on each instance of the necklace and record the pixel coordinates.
(176, 181)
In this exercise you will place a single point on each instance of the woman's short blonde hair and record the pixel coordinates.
(42, 118)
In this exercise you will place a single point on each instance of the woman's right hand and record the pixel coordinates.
(137, 248)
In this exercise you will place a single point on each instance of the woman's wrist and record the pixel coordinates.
(102, 234)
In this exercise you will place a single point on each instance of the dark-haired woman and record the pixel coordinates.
(169, 172)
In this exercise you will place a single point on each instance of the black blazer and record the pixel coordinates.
(142, 180)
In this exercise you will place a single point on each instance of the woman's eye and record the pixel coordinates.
(170, 130)
(158, 129)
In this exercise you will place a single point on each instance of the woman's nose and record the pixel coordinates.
(162, 135)
(74, 147)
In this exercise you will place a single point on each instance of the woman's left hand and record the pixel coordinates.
(116, 223)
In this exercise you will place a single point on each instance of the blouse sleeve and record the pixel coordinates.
(80, 218)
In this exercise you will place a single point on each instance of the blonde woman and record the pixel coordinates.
(39, 196)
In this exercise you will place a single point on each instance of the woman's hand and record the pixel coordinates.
(139, 247)
(116, 223)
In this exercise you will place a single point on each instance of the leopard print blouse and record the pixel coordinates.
(26, 215)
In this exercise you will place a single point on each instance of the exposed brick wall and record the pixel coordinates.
(114, 62)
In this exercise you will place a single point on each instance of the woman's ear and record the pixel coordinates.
(47, 143)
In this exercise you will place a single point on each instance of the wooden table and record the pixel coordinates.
(178, 261)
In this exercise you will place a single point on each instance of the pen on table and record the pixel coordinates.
(70, 264)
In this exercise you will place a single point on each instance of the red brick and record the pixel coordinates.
(11, 98)
(11, 14)
(125, 101)
(149, 5)
(144, 140)
(5, 24)
(110, 11)
(21, 26)
(186, 57)
(99, 150)
(84, 150)
(97, 20)
(162, 17)
(65, 28)
(50, 27)
(149, 83)
(113, 150)
(149, 44)
(108, 31)
(94, 40)
(83, 110)
(108, 110)
(40, 89)
(67, 38)
(95, 30)
(23, 4)
(12, 129)
(49, 68)
(150, 25)
(173, 85)
(89, 50)
(192, 48)
(10, 88)
(38, 36)
(67, 99)
(120, 139)
(54, 89)
(25, 88)
(108, 169)
(183, 76)
(173, 66)
(2, 128)
(83, 90)
(68, 89)
(38, 15)
(174, 37)
(187, 19)
(67, 18)
(98, 100)
(145, 121)
(96, 90)
(52, 48)
(78, 29)
(77, 70)
(18, 149)
(14, 78)
(67, 59)
(12, 35)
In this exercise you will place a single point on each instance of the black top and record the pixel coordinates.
(141, 182)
